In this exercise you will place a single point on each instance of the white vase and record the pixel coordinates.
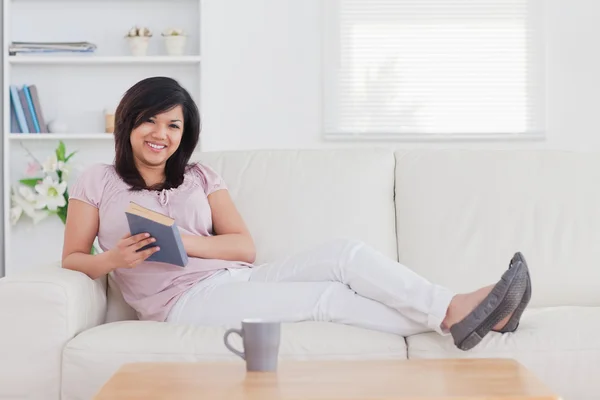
(57, 126)
(138, 45)
(175, 45)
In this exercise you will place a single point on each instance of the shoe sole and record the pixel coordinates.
(513, 322)
(501, 302)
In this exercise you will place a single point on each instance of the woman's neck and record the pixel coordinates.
(152, 175)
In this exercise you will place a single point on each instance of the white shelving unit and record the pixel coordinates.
(77, 88)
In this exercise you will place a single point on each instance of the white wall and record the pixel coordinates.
(261, 72)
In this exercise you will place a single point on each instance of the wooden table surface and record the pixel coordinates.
(472, 379)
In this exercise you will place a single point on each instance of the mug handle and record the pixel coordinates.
(230, 347)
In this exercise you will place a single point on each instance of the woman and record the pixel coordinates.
(157, 126)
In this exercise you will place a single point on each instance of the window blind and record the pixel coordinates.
(441, 68)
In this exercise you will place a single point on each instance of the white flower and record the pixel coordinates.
(24, 200)
(50, 165)
(139, 32)
(50, 194)
(27, 193)
(173, 32)
(143, 31)
(65, 169)
(15, 214)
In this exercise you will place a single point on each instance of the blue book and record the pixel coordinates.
(14, 124)
(36, 124)
(16, 103)
(160, 227)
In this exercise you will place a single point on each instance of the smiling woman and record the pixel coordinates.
(156, 130)
(155, 140)
(346, 281)
(157, 126)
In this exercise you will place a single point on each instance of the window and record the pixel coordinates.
(433, 69)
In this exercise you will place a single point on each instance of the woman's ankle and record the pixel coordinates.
(463, 304)
(450, 318)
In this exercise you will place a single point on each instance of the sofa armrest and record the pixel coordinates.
(40, 311)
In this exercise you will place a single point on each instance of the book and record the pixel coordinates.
(39, 115)
(50, 47)
(26, 111)
(31, 108)
(16, 103)
(163, 229)
(14, 124)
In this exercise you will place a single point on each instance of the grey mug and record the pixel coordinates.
(260, 339)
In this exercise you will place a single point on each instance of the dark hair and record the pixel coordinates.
(145, 99)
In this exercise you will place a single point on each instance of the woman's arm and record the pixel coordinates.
(81, 229)
(232, 240)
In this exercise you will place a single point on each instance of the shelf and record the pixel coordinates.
(97, 60)
(61, 136)
(77, 89)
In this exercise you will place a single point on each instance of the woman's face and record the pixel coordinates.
(156, 139)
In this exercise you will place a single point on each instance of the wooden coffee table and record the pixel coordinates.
(472, 379)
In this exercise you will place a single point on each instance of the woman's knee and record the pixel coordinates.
(348, 253)
(335, 296)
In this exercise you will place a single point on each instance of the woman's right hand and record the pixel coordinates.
(126, 254)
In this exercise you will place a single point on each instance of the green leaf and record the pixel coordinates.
(60, 151)
(31, 182)
(62, 214)
(70, 155)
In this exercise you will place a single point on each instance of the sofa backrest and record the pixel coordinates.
(462, 214)
(293, 200)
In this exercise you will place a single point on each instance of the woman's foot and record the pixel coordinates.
(463, 304)
(471, 316)
(515, 320)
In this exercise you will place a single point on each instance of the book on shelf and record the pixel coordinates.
(26, 111)
(16, 48)
(162, 228)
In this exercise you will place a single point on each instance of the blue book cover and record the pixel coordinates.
(14, 124)
(26, 112)
(163, 229)
(16, 103)
(36, 124)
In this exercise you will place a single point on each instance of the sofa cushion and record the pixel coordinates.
(462, 214)
(117, 307)
(560, 345)
(93, 356)
(296, 199)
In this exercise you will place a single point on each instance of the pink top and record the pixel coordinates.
(152, 288)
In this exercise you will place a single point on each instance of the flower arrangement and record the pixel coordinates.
(175, 40)
(173, 32)
(139, 32)
(139, 39)
(45, 194)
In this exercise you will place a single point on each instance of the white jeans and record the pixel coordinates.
(342, 281)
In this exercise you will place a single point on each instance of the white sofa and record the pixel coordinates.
(454, 216)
